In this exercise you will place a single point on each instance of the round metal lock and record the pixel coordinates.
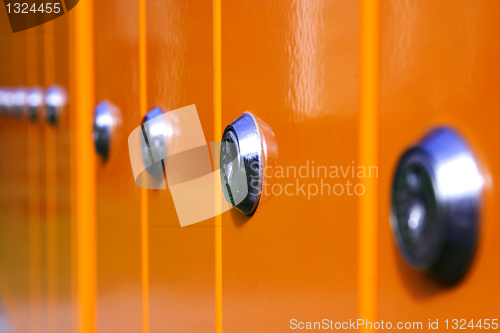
(241, 161)
(18, 101)
(436, 197)
(156, 132)
(5, 101)
(106, 118)
(34, 101)
(55, 100)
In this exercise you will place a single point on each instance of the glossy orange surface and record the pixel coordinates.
(439, 66)
(181, 260)
(295, 66)
(83, 249)
(60, 192)
(38, 227)
(85, 177)
(14, 238)
(15, 224)
(119, 295)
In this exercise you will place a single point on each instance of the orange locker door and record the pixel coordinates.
(5, 81)
(35, 137)
(15, 269)
(181, 260)
(118, 229)
(5, 84)
(59, 191)
(295, 66)
(15, 314)
(439, 65)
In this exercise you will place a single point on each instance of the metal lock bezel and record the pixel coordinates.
(5, 101)
(156, 135)
(457, 184)
(18, 102)
(106, 118)
(250, 156)
(35, 102)
(55, 101)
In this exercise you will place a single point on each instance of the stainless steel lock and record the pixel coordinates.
(154, 146)
(55, 101)
(18, 101)
(436, 198)
(34, 101)
(106, 118)
(5, 101)
(242, 158)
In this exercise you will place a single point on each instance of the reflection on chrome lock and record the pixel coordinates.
(328, 324)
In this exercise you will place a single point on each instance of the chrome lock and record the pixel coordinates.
(106, 118)
(18, 100)
(5, 101)
(154, 146)
(436, 198)
(242, 159)
(34, 100)
(55, 100)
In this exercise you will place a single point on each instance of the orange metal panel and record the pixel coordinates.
(217, 38)
(295, 65)
(181, 260)
(439, 65)
(36, 187)
(84, 167)
(368, 156)
(5, 83)
(17, 227)
(119, 291)
(13, 235)
(143, 105)
(60, 254)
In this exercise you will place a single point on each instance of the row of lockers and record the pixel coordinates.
(84, 249)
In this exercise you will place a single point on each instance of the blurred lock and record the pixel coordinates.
(435, 205)
(170, 148)
(106, 119)
(157, 133)
(5, 101)
(55, 101)
(18, 101)
(34, 101)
